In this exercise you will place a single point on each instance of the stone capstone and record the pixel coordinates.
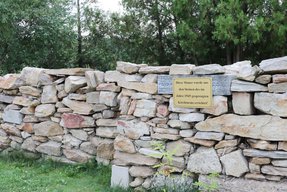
(262, 127)
(275, 65)
(209, 69)
(127, 67)
(69, 71)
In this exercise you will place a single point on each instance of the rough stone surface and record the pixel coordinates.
(271, 170)
(141, 171)
(48, 128)
(107, 132)
(82, 108)
(76, 155)
(192, 117)
(45, 110)
(204, 161)
(127, 67)
(70, 71)
(234, 163)
(10, 81)
(243, 185)
(105, 149)
(89, 148)
(120, 177)
(268, 154)
(263, 79)
(12, 116)
(264, 145)
(72, 83)
(134, 159)
(208, 69)
(181, 69)
(150, 88)
(263, 127)
(279, 78)
(106, 122)
(70, 120)
(133, 129)
(94, 78)
(6, 99)
(282, 146)
(277, 87)
(11, 129)
(206, 143)
(276, 65)
(49, 94)
(145, 108)
(244, 86)
(116, 76)
(124, 144)
(93, 97)
(178, 148)
(154, 69)
(242, 103)
(29, 144)
(179, 110)
(50, 148)
(209, 136)
(151, 153)
(179, 124)
(28, 90)
(219, 106)
(276, 103)
(108, 98)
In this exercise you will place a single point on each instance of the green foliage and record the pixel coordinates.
(210, 186)
(19, 173)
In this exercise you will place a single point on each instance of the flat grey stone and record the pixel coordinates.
(269, 154)
(12, 116)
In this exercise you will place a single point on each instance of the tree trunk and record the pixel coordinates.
(228, 54)
(80, 58)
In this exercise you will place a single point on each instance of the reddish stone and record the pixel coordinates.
(28, 127)
(162, 111)
(132, 107)
(70, 120)
(10, 81)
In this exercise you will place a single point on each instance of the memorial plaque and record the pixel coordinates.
(221, 84)
(195, 92)
(164, 84)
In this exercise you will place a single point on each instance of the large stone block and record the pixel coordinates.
(277, 87)
(263, 127)
(49, 94)
(28, 90)
(145, 108)
(12, 116)
(192, 117)
(150, 88)
(124, 144)
(141, 171)
(268, 154)
(10, 81)
(107, 132)
(70, 120)
(77, 155)
(94, 78)
(181, 69)
(133, 129)
(244, 86)
(48, 128)
(82, 108)
(242, 103)
(133, 159)
(271, 170)
(209, 69)
(178, 148)
(120, 176)
(72, 83)
(108, 98)
(35, 76)
(68, 71)
(234, 163)
(116, 76)
(275, 65)
(271, 103)
(219, 106)
(45, 110)
(204, 161)
(127, 67)
(50, 148)
(154, 69)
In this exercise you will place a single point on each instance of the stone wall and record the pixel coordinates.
(73, 115)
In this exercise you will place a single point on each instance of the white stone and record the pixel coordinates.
(108, 98)
(94, 78)
(209, 69)
(154, 69)
(127, 67)
(242, 103)
(209, 136)
(133, 129)
(271, 103)
(49, 94)
(181, 69)
(120, 176)
(204, 161)
(275, 65)
(192, 117)
(78, 107)
(234, 163)
(80, 134)
(179, 110)
(244, 86)
(149, 78)
(151, 153)
(45, 110)
(145, 108)
(72, 83)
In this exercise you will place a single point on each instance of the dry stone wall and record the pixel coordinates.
(117, 117)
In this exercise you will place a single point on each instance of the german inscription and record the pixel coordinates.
(193, 92)
(221, 84)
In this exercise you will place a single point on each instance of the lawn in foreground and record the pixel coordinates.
(21, 174)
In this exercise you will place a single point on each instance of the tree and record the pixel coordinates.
(36, 33)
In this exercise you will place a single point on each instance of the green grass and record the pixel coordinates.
(19, 174)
